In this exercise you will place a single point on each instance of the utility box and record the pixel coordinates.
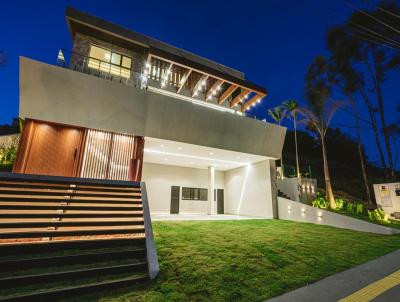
(387, 196)
(298, 189)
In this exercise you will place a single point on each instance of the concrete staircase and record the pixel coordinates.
(63, 237)
(283, 195)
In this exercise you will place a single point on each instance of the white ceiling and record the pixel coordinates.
(165, 152)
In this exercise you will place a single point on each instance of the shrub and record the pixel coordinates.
(359, 208)
(378, 215)
(339, 203)
(320, 202)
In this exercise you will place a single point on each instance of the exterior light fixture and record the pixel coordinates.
(219, 87)
(259, 100)
(203, 83)
(162, 145)
(147, 65)
(211, 153)
(179, 148)
(195, 94)
(289, 207)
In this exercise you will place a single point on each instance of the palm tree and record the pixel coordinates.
(292, 107)
(320, 111)
(278, 114)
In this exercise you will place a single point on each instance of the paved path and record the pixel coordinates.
(375, 281)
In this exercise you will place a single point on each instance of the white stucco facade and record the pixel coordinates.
(247, 190)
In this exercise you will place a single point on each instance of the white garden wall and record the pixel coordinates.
(296, 211)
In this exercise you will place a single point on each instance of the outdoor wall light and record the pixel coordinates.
(303, 212)
(319, 214)
(289, 208)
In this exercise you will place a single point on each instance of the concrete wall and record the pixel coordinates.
(295, 211)
(160, 178)
(248, 190)
(299, 189)
(60, 95)
(388, 198)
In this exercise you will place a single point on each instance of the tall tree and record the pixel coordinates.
(320, 110)
(366, 43)
(343, 49)
(292, 108)
(349, 82)
(278, 114)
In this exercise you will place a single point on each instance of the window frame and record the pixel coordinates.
(110, 64)
(195, 192)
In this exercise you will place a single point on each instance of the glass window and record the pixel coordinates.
(100, 53)
(110, 62)
(126, 62)
(116, 58)
(194, 194)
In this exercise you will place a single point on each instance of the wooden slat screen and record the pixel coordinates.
(121, 152)
(107, 155)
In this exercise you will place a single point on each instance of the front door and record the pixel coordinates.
(51, 149)
(175, 194)
(220, 201)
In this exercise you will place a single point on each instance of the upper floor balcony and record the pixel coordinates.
(164, 76)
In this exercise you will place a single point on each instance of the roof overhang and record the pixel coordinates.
(87, 24)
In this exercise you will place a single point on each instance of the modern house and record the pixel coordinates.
(124, 106)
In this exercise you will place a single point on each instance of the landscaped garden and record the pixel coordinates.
(357, 210)
(248, 260)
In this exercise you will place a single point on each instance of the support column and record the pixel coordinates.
(136, 162)
(211, 189)
(274, 188)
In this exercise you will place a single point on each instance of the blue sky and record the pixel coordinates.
(272, 41)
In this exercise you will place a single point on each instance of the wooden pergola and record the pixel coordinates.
(220, 88)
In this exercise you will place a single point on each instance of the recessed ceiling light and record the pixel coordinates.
(192, 162)
(211, 153)
(237, 157)
(179, 148)
(162, 145)
(166, 159)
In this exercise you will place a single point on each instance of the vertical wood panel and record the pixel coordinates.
(50, 149)
(107, 155)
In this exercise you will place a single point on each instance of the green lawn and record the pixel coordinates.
(249, 260)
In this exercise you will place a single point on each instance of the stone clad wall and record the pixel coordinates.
(82, 46)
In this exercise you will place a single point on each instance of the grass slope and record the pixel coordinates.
(248, 260)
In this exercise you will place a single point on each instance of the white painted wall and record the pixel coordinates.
(296, 211)
(160, 178)
(248, 190)
(389, 201)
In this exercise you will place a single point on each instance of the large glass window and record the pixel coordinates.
(194, 194)
(108, 61)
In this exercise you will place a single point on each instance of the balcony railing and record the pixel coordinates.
(130, 77)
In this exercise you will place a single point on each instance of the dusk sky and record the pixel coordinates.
(271, 41)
